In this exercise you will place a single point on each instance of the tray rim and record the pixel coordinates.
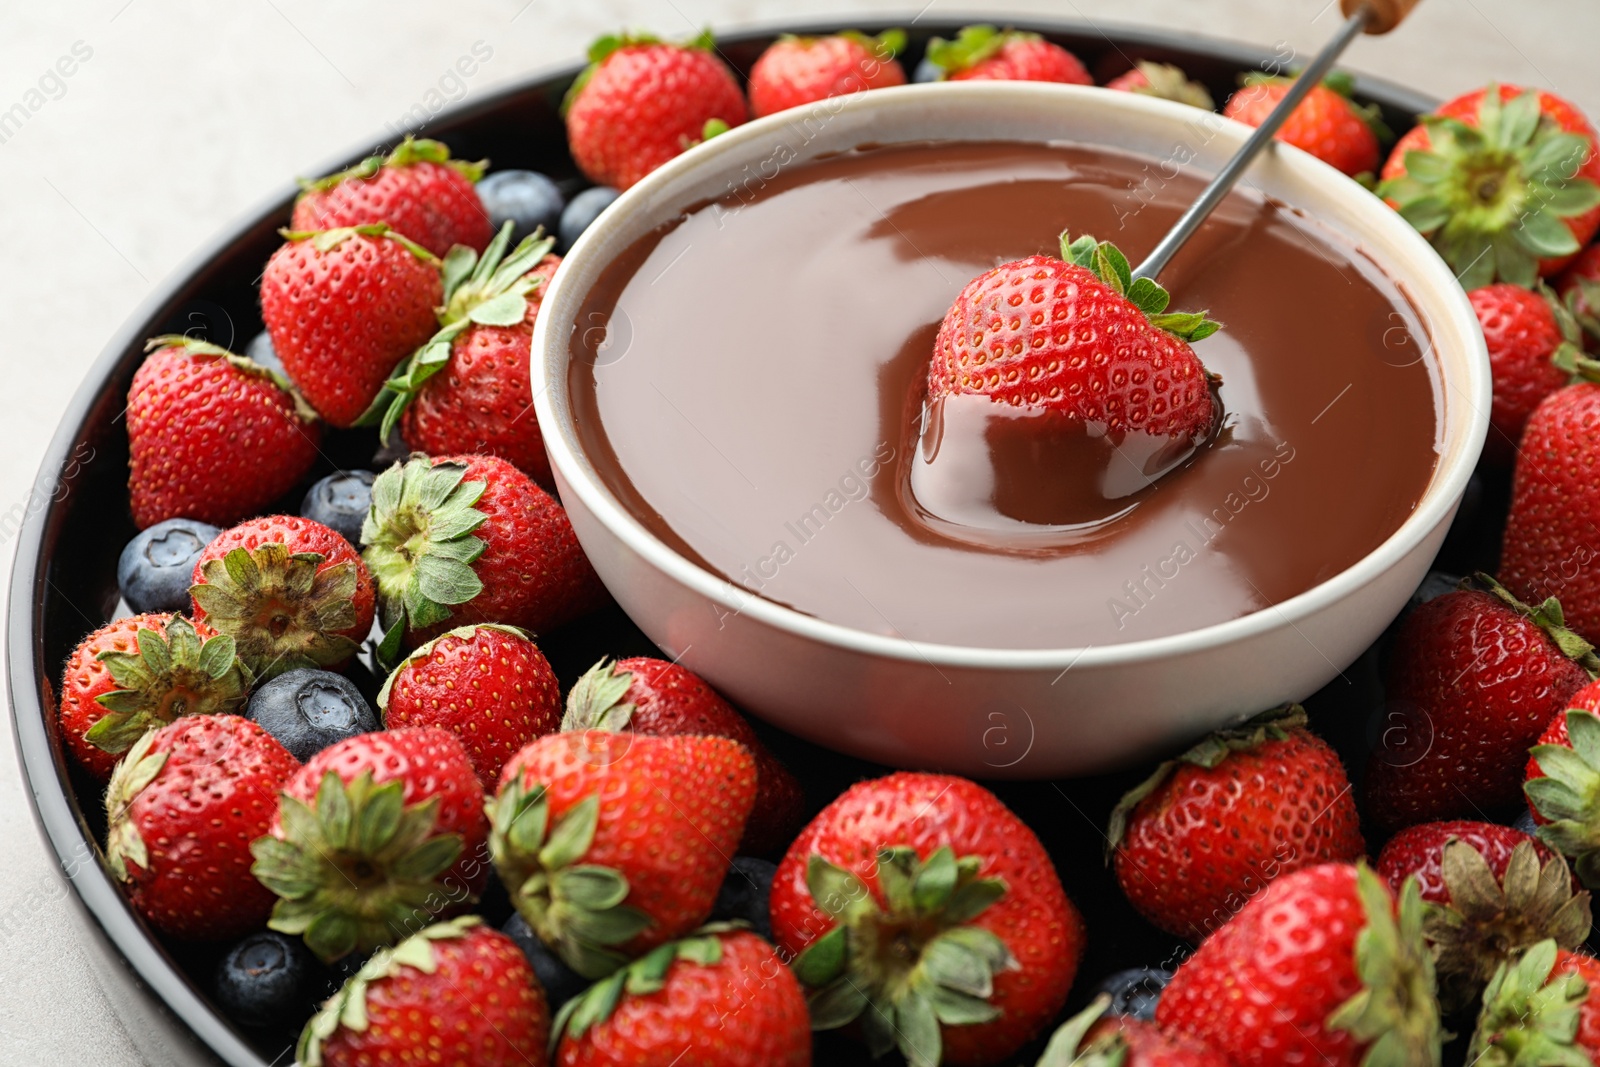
(56, 811)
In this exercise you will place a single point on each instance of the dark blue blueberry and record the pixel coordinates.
(1136, 991)
(745, 892)
(927, 71)
(340, 502)
(561, 983)
(157, 567)
(268, 979)
(308, 710)
(1525, 823)
(1436, 584)
(260, 350)
(581, 212)
(524, 197)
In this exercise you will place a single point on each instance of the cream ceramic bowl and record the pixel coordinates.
(994, 712)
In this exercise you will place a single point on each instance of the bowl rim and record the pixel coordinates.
(653, 193)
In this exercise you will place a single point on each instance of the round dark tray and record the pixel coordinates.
(64, 579)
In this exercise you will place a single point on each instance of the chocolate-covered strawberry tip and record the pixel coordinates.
(1059, 393)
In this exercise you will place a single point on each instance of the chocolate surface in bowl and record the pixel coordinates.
(761, 416)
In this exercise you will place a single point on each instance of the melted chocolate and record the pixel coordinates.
(748, 382)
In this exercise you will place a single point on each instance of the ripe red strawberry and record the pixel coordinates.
(1162, 80)
(417, 189)
(1472, 680)
(1327, 123)
(1534, 348)
(719, 998)
(457, 992)
(343, 307)
(211, 435)
(181, 811)
(487, 684)
(613, 844)
(1563, 783)
(1543, 1008)
(1092, 1038)
(642, 101)
(652, 696)
(1504, 170)
(1246, 805)
(1551, 547)
(1497, 893)
(375, 836)
(290, 591)
(493, 547)
(616, 843)
(986, 53)
(139, 673)
(1150, 382)
(920, 908)
(795, 71)
(469, 389)
(1322, 967)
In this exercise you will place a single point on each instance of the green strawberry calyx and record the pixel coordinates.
(328, 240)
(642, 977)
(1067, 1047)
(284, 610)
(422, 652)
(1208, 753)
(910, 965)
(1530, 1014)
(1395, 1015)
(347, 1009)
(244, 364)
(357, 867)
(170, 673)
(1106, 262)
(487, 290)
(576, 908)
(1549, 617)
(1573, 320)
(1167, 82)
(973, 45)
(1492, 196)
(419, 544)
(407, 152)
(124, 843)
(1487, 921)
(1568, 796)
(595, 700)
(604, 47)
(886, 45)
(1583, 307)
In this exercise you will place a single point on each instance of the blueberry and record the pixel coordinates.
(1525, 823)
(927, 71)
(157, 567)
(561, 983)
(525, 197)
(267, 979)
(582, 211)
(340, 502)
(1135, 991)
(260, 351)
(308, 710)
(1436, 584)
(745, 892)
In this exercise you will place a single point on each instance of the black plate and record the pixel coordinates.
(64, 581)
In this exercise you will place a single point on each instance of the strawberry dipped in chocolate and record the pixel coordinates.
(1059, 392)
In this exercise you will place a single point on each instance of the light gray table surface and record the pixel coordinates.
(181, 115)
